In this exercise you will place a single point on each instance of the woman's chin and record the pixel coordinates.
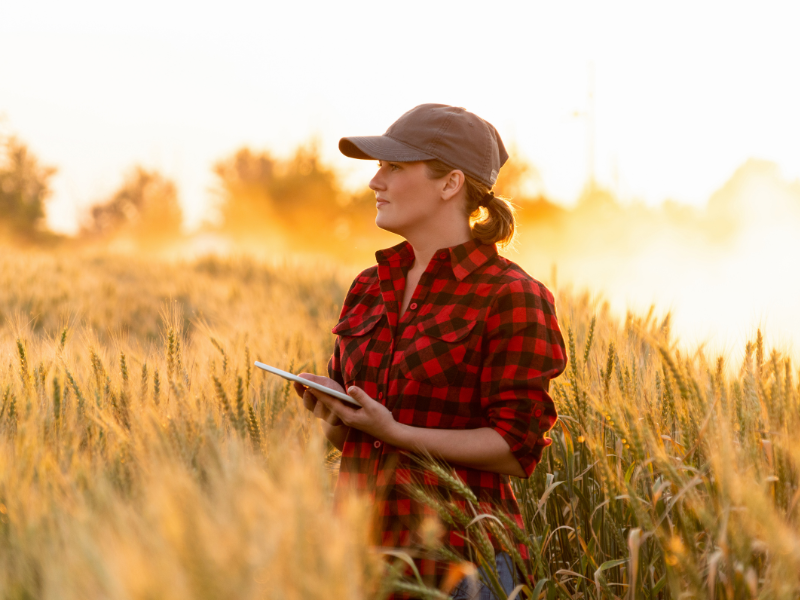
(386, 224)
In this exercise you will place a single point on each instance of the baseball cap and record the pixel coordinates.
(451, 134)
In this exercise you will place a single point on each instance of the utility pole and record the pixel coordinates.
(588, 115)
(590, 129)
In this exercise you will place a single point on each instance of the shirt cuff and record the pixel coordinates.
(526, 446)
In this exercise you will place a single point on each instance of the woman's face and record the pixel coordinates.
(406, 197)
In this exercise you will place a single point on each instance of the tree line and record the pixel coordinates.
(254, 193)
(298, 200)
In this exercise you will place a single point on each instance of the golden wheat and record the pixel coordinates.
(671, 473)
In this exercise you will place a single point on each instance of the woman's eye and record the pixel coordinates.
(394, 167)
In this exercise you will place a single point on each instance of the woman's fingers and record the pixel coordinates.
(338, 408)
(333, 420)
(324, 412)
(360, 396)
(326, 381)
(309, 401)
(321, 405)
(319, 410)
(299, 389)
(312, 399)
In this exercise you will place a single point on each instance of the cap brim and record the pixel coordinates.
(380, 147)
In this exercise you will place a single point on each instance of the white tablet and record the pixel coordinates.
(308, 383)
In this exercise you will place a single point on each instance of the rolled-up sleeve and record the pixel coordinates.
(523, 351)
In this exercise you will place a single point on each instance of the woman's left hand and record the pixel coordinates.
(372, 418)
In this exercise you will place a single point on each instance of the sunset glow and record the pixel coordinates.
(661, 102)
(606, 409)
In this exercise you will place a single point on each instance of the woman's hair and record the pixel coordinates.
(491, 217)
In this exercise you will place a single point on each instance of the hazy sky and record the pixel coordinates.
(684, 91)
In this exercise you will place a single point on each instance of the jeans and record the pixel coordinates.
(475, 589)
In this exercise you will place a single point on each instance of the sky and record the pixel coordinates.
(683, 92)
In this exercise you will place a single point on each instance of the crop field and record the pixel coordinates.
(142, 457)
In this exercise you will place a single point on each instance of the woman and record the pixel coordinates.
(448, 347)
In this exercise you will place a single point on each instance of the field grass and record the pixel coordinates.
(141, 456)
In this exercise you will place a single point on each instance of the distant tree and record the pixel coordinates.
(24, 189)
(299, 196)
(303, 182)
(244, 189)
(145, 208)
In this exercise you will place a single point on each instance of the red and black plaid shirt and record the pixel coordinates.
(476, 347)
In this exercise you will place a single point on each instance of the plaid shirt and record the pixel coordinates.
(476, 347)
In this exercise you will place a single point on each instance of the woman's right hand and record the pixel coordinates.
(311, 402)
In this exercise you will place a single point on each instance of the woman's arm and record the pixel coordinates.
(482, 448)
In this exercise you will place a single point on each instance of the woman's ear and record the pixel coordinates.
(453, 183)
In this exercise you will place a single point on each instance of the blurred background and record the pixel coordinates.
(655, 147)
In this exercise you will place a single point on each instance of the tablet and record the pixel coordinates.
(308, 383)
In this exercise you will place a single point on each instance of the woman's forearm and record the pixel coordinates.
(482, 448)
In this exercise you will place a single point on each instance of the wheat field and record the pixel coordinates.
(142, 457)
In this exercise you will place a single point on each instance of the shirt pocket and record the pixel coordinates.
(355, 340)
(442, 353)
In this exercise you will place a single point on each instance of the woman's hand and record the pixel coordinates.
(372, 418)
(310, 401)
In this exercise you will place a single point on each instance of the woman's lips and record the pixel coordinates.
(380, 203)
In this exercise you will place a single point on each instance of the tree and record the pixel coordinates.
(145, 208)
(243, 191)
(259, 195)
(24, 189)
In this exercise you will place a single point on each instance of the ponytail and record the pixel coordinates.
(491, 218)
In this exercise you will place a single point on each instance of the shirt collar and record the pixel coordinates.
(464, 258)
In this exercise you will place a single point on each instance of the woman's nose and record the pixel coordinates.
(376, 183)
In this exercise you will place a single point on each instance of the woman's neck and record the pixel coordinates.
(426, 246)
(444, 228)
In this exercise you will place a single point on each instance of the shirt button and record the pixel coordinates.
(380, 396)
(538, 412)
(443, 255)
(413, 305)
(377, 443)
